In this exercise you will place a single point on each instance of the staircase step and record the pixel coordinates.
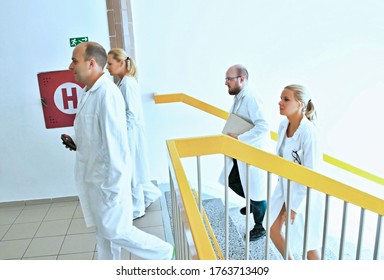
(257, 248)
(214, 209)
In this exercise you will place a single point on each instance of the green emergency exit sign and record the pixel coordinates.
(75, 41)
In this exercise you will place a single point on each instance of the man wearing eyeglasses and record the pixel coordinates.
(248, 106)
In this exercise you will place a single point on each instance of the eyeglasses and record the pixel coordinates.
(227, 79)
(296, 157)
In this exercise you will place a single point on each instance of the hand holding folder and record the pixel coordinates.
(236, 125)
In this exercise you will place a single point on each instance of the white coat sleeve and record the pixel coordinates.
(310, 159)
(131, 94)
(130, 90)
(114, 145)
(256, 114)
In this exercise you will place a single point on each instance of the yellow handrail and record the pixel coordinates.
(201, 239)
(182, 97)
(222, 144)
(209, 229)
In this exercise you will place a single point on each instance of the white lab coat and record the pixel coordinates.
(248, 106)
(103, 175)
(144, 192)
(306, 143)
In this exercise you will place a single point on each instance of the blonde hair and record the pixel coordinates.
(302, 95)
(120, 55)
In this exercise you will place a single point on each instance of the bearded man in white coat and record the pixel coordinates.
(250, 108)
(103, 167)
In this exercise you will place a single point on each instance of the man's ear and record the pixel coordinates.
(92, 63)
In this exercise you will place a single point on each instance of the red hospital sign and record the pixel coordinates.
(60, 94)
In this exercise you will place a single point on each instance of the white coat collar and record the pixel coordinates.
(97, 84)
(242, 93)
(86, 94)
(121, 80)
(238, 99)
(283, 130)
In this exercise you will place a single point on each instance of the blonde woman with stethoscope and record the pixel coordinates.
(298, 142)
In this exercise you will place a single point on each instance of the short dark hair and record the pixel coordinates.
(96, 51)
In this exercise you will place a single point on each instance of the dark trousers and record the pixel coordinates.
(258, 207)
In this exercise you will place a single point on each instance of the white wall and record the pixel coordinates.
(335, 48)
(35, 38)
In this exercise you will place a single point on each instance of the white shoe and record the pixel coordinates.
(137, 215)
(148, 203)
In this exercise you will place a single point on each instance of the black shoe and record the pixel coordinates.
(242, 210)
(256, 234)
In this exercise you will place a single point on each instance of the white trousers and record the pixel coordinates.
(138, 242)
(114, 231)
(144, 195)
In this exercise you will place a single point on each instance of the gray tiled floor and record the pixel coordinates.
(56, 231)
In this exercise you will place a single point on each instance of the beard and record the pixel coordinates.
(234, 90)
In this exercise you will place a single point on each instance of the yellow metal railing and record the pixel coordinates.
(200, 237)
(222, 144)
(209, 229)
(233, 148)
(182, 97)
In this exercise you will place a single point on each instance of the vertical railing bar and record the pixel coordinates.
(175, 234)
(185, 247)
(378, 237)
(325, 230)
(305, 241)
(247, 214)
(361, 233)
(267, 216)
(176, 225)
(179, 227)
(181, 236)
(288, 219)
(199, 190)
(343, 230)
(173, 211)
(226, 210)
(187, 251)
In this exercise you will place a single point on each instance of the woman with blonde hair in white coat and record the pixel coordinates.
(144, 192)
(298, 142)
